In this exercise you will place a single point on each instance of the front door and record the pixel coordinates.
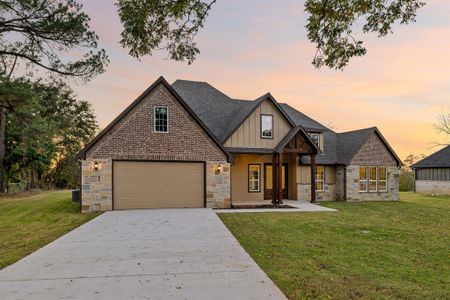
(268, 181)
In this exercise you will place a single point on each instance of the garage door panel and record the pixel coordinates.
(158, 185)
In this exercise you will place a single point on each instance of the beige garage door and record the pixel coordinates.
(158, 185)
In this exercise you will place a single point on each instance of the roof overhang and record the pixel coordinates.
(160, 80)
(280, 148)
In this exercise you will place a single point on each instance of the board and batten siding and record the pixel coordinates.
(239, 177)
(248, 135)
(442, 174)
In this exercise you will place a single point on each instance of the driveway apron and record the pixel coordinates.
(141, 254)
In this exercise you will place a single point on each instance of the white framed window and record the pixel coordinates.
(363, 179)
(382, 179)
(161, 119)
(254, 178)
(320, 178)
(373, 177)
(315, 137)
(266, 126)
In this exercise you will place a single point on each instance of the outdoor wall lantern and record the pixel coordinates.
(96, 166)
(219, 169)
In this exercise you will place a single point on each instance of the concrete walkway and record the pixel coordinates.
(299, 206)
(141, 254)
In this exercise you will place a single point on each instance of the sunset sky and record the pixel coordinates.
(252, 47)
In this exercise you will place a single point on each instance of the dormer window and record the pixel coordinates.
(161, 119)
(315, 137)
(266, 126)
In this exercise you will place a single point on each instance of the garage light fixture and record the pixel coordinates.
(219, 169)
(96, 166)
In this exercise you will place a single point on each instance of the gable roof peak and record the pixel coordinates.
(439, 159)
(161, 80)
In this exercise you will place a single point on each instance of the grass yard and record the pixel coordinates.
(30, 222)
(368, 250)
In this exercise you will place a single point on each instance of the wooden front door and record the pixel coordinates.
(268, 181)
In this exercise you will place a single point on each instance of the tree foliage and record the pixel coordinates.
(443, 126)
(44, 34)
(151, 25)
(163, 24)
(42, 149)
(331, 25)
(406, 176)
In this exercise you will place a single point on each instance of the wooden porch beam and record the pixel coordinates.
(313, 178)
(280, 178)
(274, 178)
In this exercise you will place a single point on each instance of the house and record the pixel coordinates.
(190, 145)
(432, 174)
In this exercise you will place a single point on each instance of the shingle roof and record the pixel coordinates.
(213, 107)
(350, 142)
(222, 115)
(301, 119)
(181, 101)
(439, 159)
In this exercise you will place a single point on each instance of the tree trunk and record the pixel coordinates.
(34, 177)
(2, 149)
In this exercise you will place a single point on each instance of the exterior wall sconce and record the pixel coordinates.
(96, 166)
(219, 169)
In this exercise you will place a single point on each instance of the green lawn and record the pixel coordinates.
(368, 250)
(28, 223)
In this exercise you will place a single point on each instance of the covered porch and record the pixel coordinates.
(262, 177)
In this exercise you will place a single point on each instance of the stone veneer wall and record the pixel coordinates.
(433, 186)
(218, 185)
(372, 153)
(353, 193)
(96, 185)
(304, 192)
(133, 138)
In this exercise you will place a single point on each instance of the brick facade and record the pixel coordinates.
(346, 183)
(133, 138)
(372, 153)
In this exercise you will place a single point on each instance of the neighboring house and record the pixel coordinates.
(189, 145)
(432, 174)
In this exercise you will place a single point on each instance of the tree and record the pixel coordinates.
(173, 25)
(406, 177)
(443, 126)
(42, 35)
(42, 151)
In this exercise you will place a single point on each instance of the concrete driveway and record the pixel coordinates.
(141, 254)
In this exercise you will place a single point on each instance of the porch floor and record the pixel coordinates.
(299, 205)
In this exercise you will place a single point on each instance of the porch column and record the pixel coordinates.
(274, 178)
(280, 178)
(313, 178)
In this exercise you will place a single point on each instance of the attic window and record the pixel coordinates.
(266, 126)
(161, 119)
(315, 137)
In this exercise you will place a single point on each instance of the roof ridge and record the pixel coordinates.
(204, 82)
(305, 115)
(356, 130)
